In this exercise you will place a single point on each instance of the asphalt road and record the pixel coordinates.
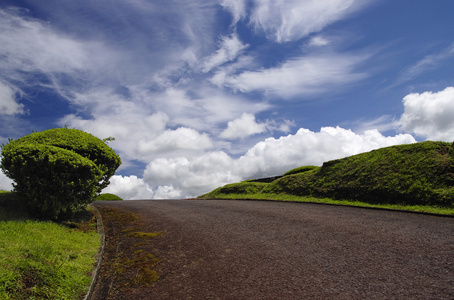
(216, 249)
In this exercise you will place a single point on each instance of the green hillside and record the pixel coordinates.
(415, 174)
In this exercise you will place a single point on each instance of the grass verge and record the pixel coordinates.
(42, 259)
(309, 199)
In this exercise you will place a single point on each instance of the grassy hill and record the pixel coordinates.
(415, 174)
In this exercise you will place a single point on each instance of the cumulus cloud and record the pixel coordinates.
(189, 177)
(129, 188)
(5, 182)
(8, 104)
(167, 192)
(148, 125)
(300, 76)
(275, 156)
(429, 115)
(243, 127)
(290, 20)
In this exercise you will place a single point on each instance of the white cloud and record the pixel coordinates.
(199, 107)
(129, 121)
(427, 63)
(5, 182)
(382, 124)
(429, 115)
(236, 7)
(8, 104)
(276, 156)
(229, 50)
(37, 55)
(290, 20)
(242, 63)
(34, 46)
(129, 188)
(301, 76)
(243, 127)
(178, 139)
(189, 177)
(318, 41)
(167, 192)
(148, 125)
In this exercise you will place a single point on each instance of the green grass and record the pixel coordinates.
(310, 199)
(107, 197)
(42, 259)
(417, 177)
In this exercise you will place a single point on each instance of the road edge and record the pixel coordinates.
(101, 232)
(333, 204)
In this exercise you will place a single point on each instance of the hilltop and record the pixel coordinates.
(413, 174)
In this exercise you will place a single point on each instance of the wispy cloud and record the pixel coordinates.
(291, 20)
(300, 76)
(229, 50)
(426, 64)
(236, 7)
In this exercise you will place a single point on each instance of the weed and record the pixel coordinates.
(146, 234)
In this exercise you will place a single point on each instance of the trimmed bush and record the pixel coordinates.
(58, 171)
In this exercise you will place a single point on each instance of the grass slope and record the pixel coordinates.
(419, 174)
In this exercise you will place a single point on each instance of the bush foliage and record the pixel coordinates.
(415, 174)
(58, 171)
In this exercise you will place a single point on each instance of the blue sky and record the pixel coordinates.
(202, 93)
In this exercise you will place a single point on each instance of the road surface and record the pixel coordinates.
(215, 249)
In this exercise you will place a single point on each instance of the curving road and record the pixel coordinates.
(217, 249)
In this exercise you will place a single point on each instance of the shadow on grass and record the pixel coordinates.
(12, 208)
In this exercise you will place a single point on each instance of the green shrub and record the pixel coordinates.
(107, 197)
(58, 171)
